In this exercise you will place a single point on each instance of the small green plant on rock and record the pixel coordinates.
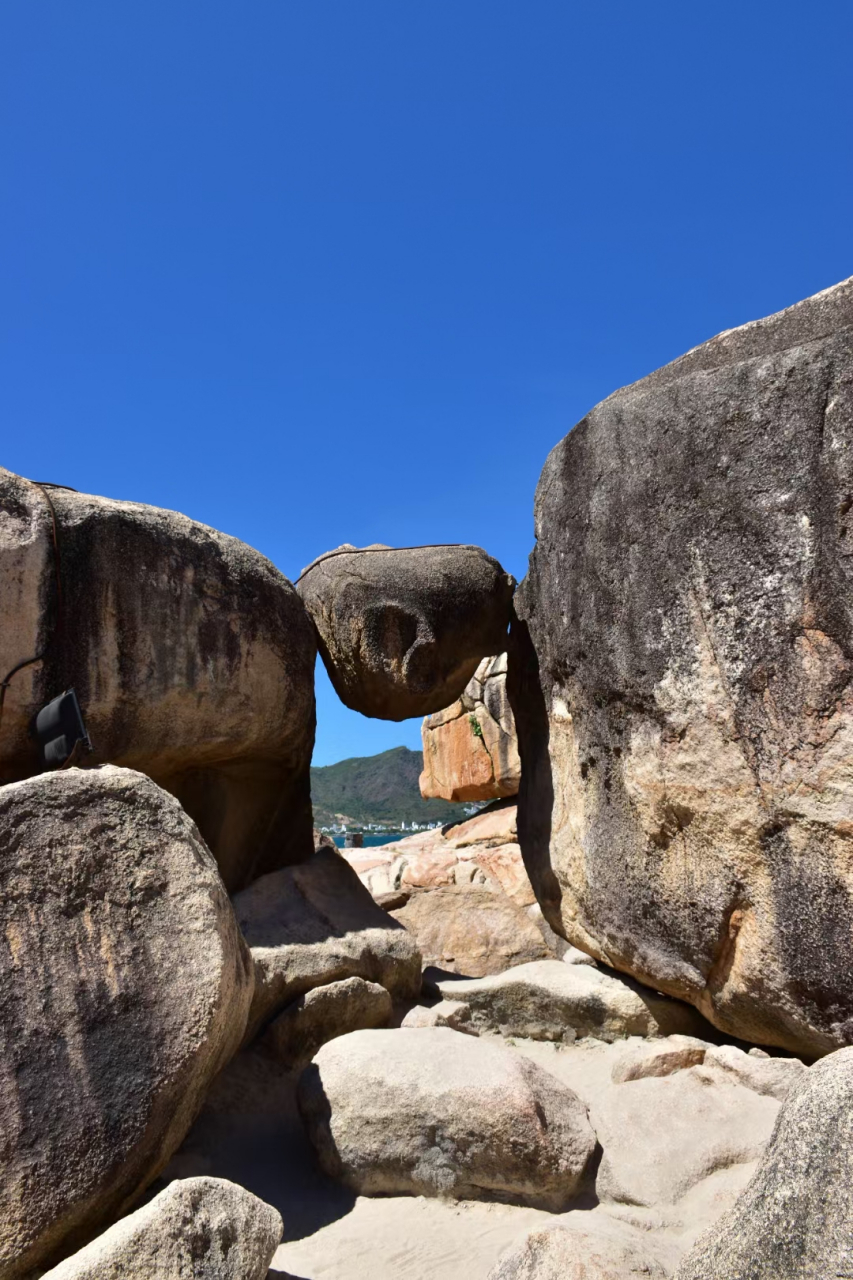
(476, 727)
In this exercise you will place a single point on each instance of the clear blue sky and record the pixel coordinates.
(330, 271)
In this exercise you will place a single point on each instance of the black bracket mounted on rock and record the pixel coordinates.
(59, 729)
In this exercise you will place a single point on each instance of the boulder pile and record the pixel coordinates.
(629, 1054)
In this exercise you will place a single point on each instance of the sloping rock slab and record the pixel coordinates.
(682, 682)
(191, 654)
(552, 1000)
(198, 1229)
(315, 923)
(432, 1112)
(401, 632)
(124, 988)
(794, 1221)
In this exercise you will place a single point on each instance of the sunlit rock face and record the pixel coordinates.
(681, 679)
(471, 748)
(192, 657)
(402, 630)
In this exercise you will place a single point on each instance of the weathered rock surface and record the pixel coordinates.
(124, 988)
(794, 1221)
(323, 1013)
(315, 923)
(601, 1249)
(471, 929)
(774, 1077)
(447, 1013)
(659, 1058)
(192, 657)
(463, 891)
(664, 1135)
(551, 1000)
(471, 748)
(681, 679)
(435, 1113)
(403, 631)
(197, 1229)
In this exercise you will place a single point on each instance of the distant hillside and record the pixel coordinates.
(381, 788)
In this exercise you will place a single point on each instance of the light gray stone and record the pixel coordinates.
(794, 1221)
(774, 1077)
(663, 1135)
(430, 1112)
(323, 1013)
(447, 1013)
(601, 1249)
(658, 1058)
(401, 632)
(124, 988)
(197, 1229)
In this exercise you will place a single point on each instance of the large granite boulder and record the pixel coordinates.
(197, 1229)
(681, 680)
(124, 988)
(314, 924)
(403, 631)
(794, 1221)
(428, 1111)
(471, 748)
(191, 655)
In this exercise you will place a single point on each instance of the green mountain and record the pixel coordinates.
(381, 788)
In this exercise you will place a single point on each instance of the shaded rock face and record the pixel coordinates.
(471, 749)
(315, 924)
(124, 988)
(402, 632)
(204, 1228)
(795, 1218)
(429, 1111)
(681, 680)
(322, 1014)
(192, 657)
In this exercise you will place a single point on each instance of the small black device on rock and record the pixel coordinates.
(59, 727)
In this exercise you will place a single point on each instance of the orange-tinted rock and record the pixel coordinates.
(470, 748)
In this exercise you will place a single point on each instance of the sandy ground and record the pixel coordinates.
(250, 1133)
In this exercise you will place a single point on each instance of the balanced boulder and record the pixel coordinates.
(428, 1111)
(403, 631)
(471, 748)
(191, 655)
(124, 988)
(198, 1229)
(681, 680)
(794, 1221)
(314, 924)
